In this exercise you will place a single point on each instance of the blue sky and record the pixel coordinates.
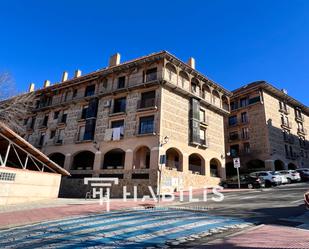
(234, 42)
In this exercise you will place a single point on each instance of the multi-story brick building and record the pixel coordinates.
(267, 129)
(121, 120)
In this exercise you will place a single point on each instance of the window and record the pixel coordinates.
(84, 112)
(64, 117)
(56, 114)
(151, 74)
(81, 132)
(202, 116)
(243, 102)
(90, 90)
(26, 121)
(232, 120)
(60, 136)
(121, 82)
(45, 120)
(245, 133)
(74, 93)
(254, 100)
(52, 134)
(234, 105)
(42, 138)
(32, 123)
(234, 150)
(244, 117)
(119, 105)
(202, 136)
(147, 99)
(118, 124)
(146, 125)
(246, 148)
(233, 135)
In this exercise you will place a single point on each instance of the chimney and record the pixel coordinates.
(191, 62)
(31, 87)
(64, 76)
(46, 83)
(77, 73)
(114, 60)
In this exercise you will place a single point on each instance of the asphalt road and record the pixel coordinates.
(261, 206)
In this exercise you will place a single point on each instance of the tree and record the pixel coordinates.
(14, 107)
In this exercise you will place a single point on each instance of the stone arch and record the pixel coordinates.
(215, 167)
(292, 166)
(174, 159)
(216, 98)
(206, 93)
(114, 159)
(58, 158)
(83, 160)
(197, 164)
(171, 72)
(195, 86)
(141, 158)
(184, 79)
(225, 103)
(279, 165)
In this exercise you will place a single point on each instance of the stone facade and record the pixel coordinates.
(155, 123)
(263, 114)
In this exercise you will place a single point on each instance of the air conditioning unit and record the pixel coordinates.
(107, 103)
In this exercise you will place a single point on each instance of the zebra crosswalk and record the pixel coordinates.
(117, 229)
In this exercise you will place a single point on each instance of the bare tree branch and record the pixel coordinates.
(13, 108)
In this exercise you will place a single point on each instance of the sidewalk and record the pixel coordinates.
(61, 208)
(264, 236)
(23, 214)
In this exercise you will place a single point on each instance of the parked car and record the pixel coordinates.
(284, 179)
(246, 181)
(271, 178)
(304, 173)
(306, 197)
(291, 175)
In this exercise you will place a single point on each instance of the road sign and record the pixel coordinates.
(236, 162)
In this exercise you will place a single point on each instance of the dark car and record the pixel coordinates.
(304, 174)
(246, 181)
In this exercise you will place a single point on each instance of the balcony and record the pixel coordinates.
(299, 118)
(284, 110)
(286, 124)
(302, 131)
(58, 141)
(233, 137)
(245, 136)
(147, 104)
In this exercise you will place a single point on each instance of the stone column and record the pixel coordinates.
(270, 165)
(155, 157)
(97, 161)
(68, 161)
(207, 168)
(185, 162)
(128, 163)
